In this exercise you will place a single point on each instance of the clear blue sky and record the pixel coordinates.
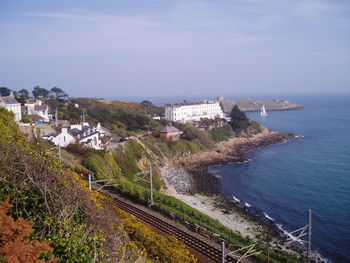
(168, 47)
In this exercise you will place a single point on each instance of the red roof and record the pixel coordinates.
(168, 129)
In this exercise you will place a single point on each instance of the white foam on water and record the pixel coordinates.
(246, 204)
(269, 217)
(235, 199)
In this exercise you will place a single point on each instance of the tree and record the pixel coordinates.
(59, 93)
(23, 93)
(5, 91)
(15, 246)
(147, 104)
(239, 121)
(40, 92)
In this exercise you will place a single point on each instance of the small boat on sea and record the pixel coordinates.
(263, 111)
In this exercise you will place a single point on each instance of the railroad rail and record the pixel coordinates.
(191, 241)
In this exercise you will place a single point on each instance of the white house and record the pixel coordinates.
(85, 134)
(36, 110)
(193, 111)
(63, 138)
(12, 105)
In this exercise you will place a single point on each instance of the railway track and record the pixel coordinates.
(191, 241)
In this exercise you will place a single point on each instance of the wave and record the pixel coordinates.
(317, 257)
(246, 204)
(236, 199)
(268, 217)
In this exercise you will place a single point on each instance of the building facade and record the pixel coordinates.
(171, 132)
(84, 134)
(187, 112)
(13, 105)
(36, 109)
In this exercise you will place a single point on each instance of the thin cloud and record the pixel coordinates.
(99, 18)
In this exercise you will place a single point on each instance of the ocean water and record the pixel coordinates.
(281, 182)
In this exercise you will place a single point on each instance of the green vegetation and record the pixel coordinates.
(194, 134)
(81, 225)
(150, 108)
(256, 126)
(239, 120)
(25, 118)
(162, 147)
(221, 134)
(166, 204)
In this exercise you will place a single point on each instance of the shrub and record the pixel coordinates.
(25, 118)
(256, 126)
(221, 134)
(15, 245)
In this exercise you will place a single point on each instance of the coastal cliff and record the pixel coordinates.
(255, 105)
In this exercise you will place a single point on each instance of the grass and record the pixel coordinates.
(165, 204)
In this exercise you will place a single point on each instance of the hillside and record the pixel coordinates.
(126, 167)
(80, 225)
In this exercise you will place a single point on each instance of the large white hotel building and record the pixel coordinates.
(193, 111)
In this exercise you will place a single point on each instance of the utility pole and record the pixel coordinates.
(56, 121)
(83, 117)
(223, 253)
(59, 151)
(296, 235)
(151, 183)
(89, 181)
(309, 237)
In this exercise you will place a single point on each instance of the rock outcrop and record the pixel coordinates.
(255, 105)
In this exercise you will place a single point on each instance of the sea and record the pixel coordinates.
(281, 183)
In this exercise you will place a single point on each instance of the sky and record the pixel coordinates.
(118, 49)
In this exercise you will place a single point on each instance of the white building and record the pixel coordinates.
(36, 109)
(193, 111)
(85, 134)
(12, 105)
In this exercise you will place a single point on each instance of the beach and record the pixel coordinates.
(205, 192)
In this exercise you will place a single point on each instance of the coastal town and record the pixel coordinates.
(175, 131)
(182, 140)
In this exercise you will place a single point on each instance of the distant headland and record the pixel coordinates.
(255, 105)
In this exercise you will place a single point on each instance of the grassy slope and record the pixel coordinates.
(82, 225)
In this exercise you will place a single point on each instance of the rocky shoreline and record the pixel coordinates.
(234, 150)
(206, 191)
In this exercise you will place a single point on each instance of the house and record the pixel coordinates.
(13, 105)
(188, 112)
(36, 111)
(84, 134)
(172, 133)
